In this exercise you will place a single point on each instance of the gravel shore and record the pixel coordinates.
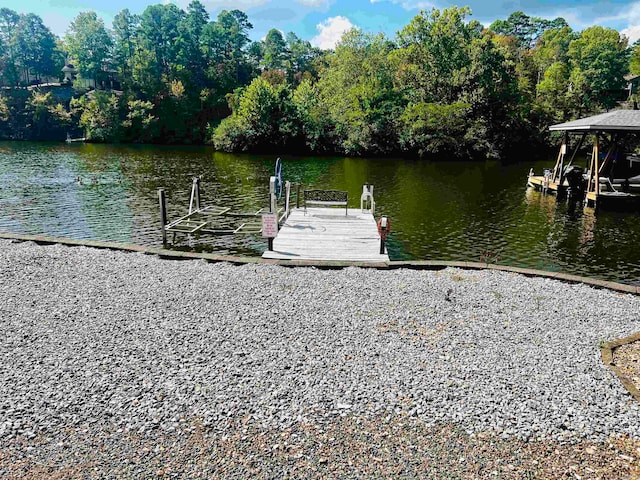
(129, 345)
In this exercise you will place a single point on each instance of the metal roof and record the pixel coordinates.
(614, 121)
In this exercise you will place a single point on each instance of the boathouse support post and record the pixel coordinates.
(163, 214)
(609, 156)
(556, 168)
(596, 167)
(593, 185)
(575, 152)
(561, 190)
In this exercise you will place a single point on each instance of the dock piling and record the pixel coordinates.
(195, 195)
(273, 206)
(163, 214)
(196, 183)
(384, 230)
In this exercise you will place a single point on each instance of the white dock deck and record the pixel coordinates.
(328, 234)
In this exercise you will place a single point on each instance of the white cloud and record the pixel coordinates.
(330, 32)
(410, 4)
(629, 16)
(632, 33)
(314, 3)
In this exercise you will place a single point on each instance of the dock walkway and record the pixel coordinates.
(328, 234)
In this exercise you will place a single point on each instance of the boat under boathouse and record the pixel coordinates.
(612, 178)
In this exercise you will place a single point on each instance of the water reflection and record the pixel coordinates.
(447, 210)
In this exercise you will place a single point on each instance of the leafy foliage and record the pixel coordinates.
(89, 43)
(99, 116)
(258, 121)
(598, 59)
(443, 86)
(28, 49)
(527, 30)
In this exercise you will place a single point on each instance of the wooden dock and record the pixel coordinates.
(328, 234)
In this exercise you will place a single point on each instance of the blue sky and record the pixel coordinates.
(323, 21)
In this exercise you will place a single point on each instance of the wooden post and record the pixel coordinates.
(273, 207)
(163, 214)
(556, 167)
(560, 190)
(609, 157)
(384, 228)
(287, 189)
(196, 183)
(297, 195)
(575, 152)
(596, 168)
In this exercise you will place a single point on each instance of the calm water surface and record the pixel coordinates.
(444, 211)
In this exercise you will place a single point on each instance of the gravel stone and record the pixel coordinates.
(135, 343)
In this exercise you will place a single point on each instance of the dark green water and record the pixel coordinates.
(443, 211)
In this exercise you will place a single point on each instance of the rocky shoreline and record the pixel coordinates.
(129, 345)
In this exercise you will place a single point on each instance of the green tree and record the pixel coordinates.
(357, 90)
(223, 43)
(36, 48)
(159, 34)
(433, 53)
(261, 119)
(4, 109)
(275, 51)
(255, 53)
(8, 25)
(527, 30)
(302, 58)
(176, 111)
(140, 123)
(599, 62)
(191, 63)
(553, 47)
(145, 77)
(634, 58)
(47, 120)
(89, 43)
(431, 128)
(491, 89)
(125, 27)
(315, 126)
(553, 92)
(99, 113)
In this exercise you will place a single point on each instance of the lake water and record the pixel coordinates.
(439, 211)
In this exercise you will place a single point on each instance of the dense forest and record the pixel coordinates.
(445, 85)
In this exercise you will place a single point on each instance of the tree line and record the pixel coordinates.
(445, 85)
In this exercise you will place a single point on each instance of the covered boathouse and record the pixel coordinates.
(612, 178)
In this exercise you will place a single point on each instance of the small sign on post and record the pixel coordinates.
(269, 228)
(269, 225)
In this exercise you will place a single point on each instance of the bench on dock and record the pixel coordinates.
(326, 198)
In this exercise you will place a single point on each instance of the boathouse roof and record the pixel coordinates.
(614, 121)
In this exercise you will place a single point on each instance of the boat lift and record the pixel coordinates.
(203, 219)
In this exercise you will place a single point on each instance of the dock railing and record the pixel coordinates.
(367, 203)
